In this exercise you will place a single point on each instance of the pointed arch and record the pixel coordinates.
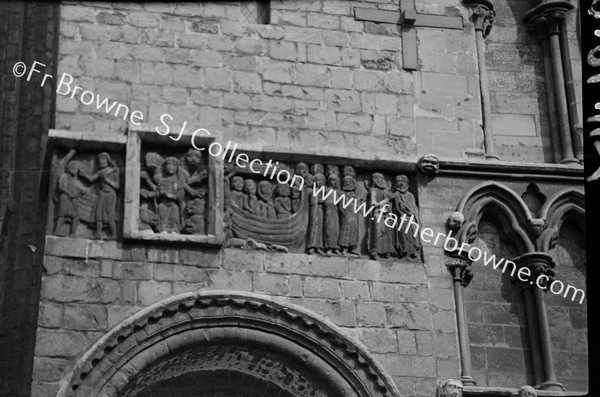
(312, 350)
(503, 204)
(568, 203)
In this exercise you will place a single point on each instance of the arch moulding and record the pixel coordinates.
(199, 322)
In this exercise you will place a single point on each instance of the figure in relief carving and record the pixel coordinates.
(315, 227)
(348, 170)
(404, 204)
(105, 210)
(168, 192)
(348, 240)
(265, 207)
(148, 219)
(302, 169)
(332, 217)
(69, 191)
(236, 195)
(295, 197)
(196, 208)
(332, 169)
(283, 203)
(250, 199)
(381, 237)
(317, 168)
(198, 173)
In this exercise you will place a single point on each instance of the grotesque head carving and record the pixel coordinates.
(452, 388)
(527, 391)
(537, 226)
(429, 164)
(455, 221)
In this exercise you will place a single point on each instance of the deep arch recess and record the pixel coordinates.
(183, 328)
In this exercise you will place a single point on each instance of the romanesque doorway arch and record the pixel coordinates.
(221, 344)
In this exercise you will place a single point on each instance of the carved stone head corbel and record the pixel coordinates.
(537, 226)
(429, 164)
(455, 221)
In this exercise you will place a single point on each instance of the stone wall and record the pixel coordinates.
(404, 316)
(314, 82)
(314, 77)
(517, 86)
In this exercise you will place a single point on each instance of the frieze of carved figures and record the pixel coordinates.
(85, 191)
(173, 193)
(260, 211)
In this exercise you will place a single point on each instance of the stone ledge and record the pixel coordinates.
(556, 172)
(505, 391)
(87, 140)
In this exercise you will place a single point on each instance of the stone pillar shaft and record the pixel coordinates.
(561, 98)
(575, 122)
(483, 17)
(547, 18)
(539, 263)
(461, 276)
(488, 136)
(534, 337)
(545, 342)
(554, 134)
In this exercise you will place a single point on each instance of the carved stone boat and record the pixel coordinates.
(289, 231)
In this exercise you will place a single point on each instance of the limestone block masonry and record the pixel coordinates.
(131, 264)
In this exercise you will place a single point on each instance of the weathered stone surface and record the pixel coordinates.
(312, 81)
(80, 289)
(85, 317)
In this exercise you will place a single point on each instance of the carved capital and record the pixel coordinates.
(546, 17)
(539, 264)
(483, 15)
(483, 18)
(460, 270)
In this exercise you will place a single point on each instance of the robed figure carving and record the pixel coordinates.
(407, 244)
(167, 187)
(67, 193)
(381, 239)
(106, 179)
(348, 239)
(314, 243)
(332, 217)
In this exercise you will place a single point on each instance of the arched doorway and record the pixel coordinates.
(226, 344)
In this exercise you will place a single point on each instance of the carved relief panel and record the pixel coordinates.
(325, 209)
(86, 188)
(173, 191)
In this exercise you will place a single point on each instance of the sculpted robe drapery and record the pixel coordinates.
(406, 243)
(381, 238)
